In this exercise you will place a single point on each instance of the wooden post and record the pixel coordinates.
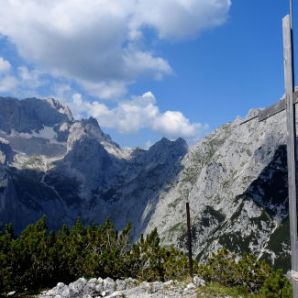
(189, 240)
(291, 145)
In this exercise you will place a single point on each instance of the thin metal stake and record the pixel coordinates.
(189, 240)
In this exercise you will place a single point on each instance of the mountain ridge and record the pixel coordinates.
(234, 179)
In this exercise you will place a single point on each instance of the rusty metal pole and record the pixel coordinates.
(189, 242)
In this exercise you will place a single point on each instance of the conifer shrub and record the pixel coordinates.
(246, 274)
(6, 270)
(277, 286)
(39, 258)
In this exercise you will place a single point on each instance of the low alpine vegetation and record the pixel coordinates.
(39, 258)
(247, 274)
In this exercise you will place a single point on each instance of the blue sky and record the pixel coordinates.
(146, 70)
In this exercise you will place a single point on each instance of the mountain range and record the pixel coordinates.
(235, 180)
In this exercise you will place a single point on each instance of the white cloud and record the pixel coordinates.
(22, 82)
(8, 83)
(140, 112)
(100, 43)
(173, 123)
(180, 19)
(5, 66)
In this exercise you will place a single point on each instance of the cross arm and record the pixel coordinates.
(272, 110)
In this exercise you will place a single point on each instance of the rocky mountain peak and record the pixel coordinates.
(30, 114)
(89, 129)
(6, 153)
(61, 108)
(165, 149)
(234, 179)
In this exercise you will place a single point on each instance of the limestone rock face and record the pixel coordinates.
(129, 288)
(31, 114)
(65, 168)
(235, 180)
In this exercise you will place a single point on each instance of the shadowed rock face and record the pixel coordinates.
(235, 180)
(64, 168)
(31, 114)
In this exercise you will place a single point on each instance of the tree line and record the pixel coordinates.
(39, 258)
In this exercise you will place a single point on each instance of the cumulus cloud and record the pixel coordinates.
(100, 43)
(5, 66)
(127, 116)
(140, 112)
(180, 19)
(8, 83)
(20, 81)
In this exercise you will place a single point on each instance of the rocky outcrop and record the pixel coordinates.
(236, 182)
(31, 114)
(129, 288)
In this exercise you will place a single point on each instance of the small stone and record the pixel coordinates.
(100, 280)
(117, 294)
(157, 286)
(93, 280)
(190, 286)
(60, 285)
(109, 284)
(77, 286)
(83, 280)
(99, 288)
(198, 282)
(120, 285)
(90, 289)
(52, 292)
(65, 292)
(168, 283)
(130, 283)
(145, 285)
(11, 293)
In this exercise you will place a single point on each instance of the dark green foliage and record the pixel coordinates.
(6, 273)
(247, 273)
(277, 286)
(151, 262)
(39, 258)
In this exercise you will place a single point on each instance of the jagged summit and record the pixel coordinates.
(234, 178)
(61, 108)
(64, 168)
(30, 114)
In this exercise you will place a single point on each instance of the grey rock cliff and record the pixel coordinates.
(235, 180)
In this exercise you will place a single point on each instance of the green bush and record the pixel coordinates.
(277, 286)
(6, 266)
(39, 258)
(224, 268)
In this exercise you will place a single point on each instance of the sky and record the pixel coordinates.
(146, 69)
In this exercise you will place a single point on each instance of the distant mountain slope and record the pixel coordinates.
(235, 179)
(236, 182)
(52, 164)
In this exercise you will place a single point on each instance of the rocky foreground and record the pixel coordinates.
(129, 288)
